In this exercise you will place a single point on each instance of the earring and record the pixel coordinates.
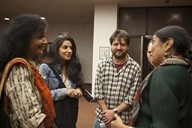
(165, 54)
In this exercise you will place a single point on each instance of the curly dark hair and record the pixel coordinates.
(73, 65)
(16, 39)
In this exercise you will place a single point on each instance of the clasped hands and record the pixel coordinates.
(112, 120)
(117, 123)
(107, 117)
(74, 93)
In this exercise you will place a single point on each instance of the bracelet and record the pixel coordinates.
(115, 110)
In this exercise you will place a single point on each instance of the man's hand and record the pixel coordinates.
(107, 116)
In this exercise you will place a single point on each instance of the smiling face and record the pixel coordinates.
(37, 45)
(65, 50)
(119, 48)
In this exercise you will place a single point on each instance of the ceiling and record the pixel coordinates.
(72, 11)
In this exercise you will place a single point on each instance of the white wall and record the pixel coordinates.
(105, 23)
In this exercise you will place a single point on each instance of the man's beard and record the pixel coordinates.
(123, 55)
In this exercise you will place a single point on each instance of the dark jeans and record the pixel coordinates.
(97, 124)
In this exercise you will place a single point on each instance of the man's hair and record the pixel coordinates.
(120, 34)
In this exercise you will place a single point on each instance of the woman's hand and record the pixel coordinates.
(74, 93)
(70, 92)
(78, 93)
(118, 123)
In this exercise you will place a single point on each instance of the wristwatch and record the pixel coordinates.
(115, 110)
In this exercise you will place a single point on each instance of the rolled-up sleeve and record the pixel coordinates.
(135, 84)
(24, 99)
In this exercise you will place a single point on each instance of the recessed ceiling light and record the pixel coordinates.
(6, 18)
(43, 18)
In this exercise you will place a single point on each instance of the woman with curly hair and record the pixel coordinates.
(63, 75)
(26, 98)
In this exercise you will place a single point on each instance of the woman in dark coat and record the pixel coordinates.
(166, 96)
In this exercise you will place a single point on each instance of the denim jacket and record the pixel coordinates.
(53, 83)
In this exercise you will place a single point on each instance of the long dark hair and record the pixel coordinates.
(16, 39)
(73, 65)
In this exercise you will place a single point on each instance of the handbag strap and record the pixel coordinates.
(61, 85)
(8, 68)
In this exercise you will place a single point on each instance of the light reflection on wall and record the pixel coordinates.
(175, 18)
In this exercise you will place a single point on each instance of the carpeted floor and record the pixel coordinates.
(86, 115)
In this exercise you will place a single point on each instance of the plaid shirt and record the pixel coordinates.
(117, 87)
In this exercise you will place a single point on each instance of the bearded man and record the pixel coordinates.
(116, 82)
